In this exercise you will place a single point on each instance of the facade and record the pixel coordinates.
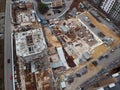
(114, 14)
(107, 5)
(111, 8)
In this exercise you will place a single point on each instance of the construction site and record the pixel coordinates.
(32, 68)
(62, 55)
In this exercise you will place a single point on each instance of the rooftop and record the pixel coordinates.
(25, 17)
(29, 42)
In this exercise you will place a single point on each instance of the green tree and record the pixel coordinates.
(43, 8)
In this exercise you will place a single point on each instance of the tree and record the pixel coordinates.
(43, 8)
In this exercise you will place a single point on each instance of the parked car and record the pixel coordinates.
(11, 77)
(8, 60)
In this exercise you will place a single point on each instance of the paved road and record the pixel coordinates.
(7, 49)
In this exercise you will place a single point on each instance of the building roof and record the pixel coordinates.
(56, 64)
(111, 85)
(65, 28)
(63, 85)
(73, 12)
(25, 17)
(115, 75)
(86, 55)
(62, 57)
(100, 88)
(29, 42)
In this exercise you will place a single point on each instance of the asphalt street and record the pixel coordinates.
(8, 81)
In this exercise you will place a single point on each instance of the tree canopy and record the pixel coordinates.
(43, 8)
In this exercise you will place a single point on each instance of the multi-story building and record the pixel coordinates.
(111, 8)
(107, 5)
(114, 13)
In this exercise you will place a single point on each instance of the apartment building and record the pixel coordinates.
(107, 5)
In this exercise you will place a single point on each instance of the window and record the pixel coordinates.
(31, 50)
(29, 40)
